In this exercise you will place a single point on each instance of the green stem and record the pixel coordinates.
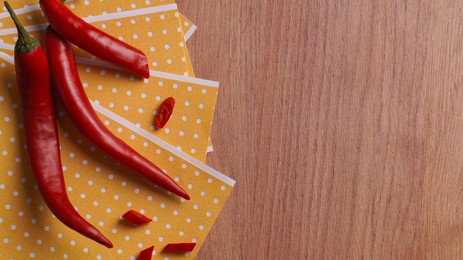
(26, 43)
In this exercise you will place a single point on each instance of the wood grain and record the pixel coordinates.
(342, 122)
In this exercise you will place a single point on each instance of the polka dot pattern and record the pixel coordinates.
(101, 189)
(138, 101)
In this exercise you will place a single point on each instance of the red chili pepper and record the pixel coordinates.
(70, 91)
(135, 218)
(146, 253)
(164, 112)
(32, 75)
(93, 40)
(180, 247)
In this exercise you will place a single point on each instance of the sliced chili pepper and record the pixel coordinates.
(93, 40)
(180, 247)
(146, 253)
(135, 218)
(69, 88)
(164, 112)
(32, 75)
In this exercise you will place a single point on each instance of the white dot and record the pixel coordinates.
(82, 196)
(216, 200)
(148, 232)
(181, 233)
(169, 61)
(181, 133)
(201, 227)
(208, 214)
(150, 34)
(5, 240)
(133, 21)
(19, 248)
(147, 19)
(7, 119)
(114, 90)
(167, 46)
(163, 205)
(13, 227)
(196, 206)
(119, 251)
(167, 130)
(103, 26)
(161, 239)
(118, 23)
(198, 121)
(165, 33)
(60, 235)
(140, 110)
(201, 106)
(204, 91)
(203, 193)
(186, 23)
(135, 36)
(133, 5)
(175, 85)
(188, 220)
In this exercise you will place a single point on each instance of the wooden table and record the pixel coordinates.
(342, 122)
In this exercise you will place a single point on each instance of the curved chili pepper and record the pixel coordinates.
(93, 40)
(67, 84)
(164, 112)
(32, 75)
(135, 218)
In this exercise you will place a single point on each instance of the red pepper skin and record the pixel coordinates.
(93, 40)
(135, 218)
(33, 78)
(180, 247)
(67, 84)
(164, 112)
(146, 254)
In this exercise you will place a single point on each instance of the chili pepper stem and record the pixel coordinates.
(26, 43)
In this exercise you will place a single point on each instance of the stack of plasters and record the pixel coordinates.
(99, 188)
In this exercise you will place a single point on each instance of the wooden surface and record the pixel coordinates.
(342, 122)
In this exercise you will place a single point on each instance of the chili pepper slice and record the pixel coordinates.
(180, 247)
(164, 112)
(69, 88)
(32, 75)
(135, 218)
(93, 40)
(146, 253)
